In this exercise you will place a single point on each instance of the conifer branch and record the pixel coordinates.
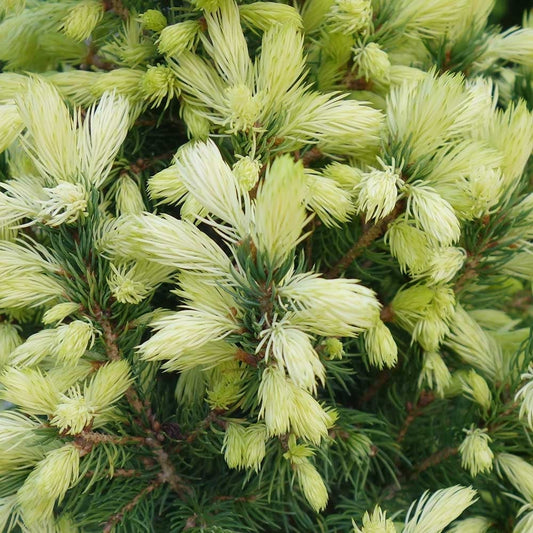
(371, 233)
(414, 412)
(117, 7)
(434, 460)
(116, 518)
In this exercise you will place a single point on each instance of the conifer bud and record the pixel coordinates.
(475, 524)
(409, 245)
(178, 38)
(377, 522)
(34, 349)
(11, 125)
(34, 392)
(153, 20)
(433, 214)
(345, 176)
(159, 82)
(81, 19)
(349, 16)
(371, 62)
(9, 340)
(476, 455)
(380, 346)
(264, 15)
(244, 107)
(244, 447)
(519, 472)
(333, 348)
(128, 197)
(198, 126)
(377, 192)
(312, 485)
(73, 413)
(475, 387)
(525, 395)
(59, 312)
(435, 373)
(444, 263)
(435, 512)
(225, 387)
(246, 170)
(74, 339)
(48, 483)
(66, 203)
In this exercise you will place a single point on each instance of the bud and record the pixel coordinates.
(349, 16)
(159, 82)
(333, 348)
(312, 485)
(81, 19)
(435, 512)
(59, 312)
(128, 197)
(72, 413)
(476, 524)
(435, 373)
(225, 386)
(108, 385)
(125, 81)
(476, 388)
(244, 447)
(275, 395)
(178, 38)
(131, 283)
(74, 339)
(264, 15)
(444, 264)
(331, 203)
(244, 107)
(377, 522)
(409, 245)
(432, 214)
(48, 483)
(28, 388)
(197, 124)
(34, 349)
(377, 192)
(246, 170)
(476, 455)
(66, 203)
(380, 346)
(9, 340)
(153, 20)
(345, 176)
(372, 63)
(519, 472)
(11, 125)
(525, 395)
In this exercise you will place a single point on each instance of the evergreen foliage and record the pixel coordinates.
(265, 267)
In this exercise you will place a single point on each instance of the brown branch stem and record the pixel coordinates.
(434, 460)
(371, 233)
(117, 517)
(414, 412)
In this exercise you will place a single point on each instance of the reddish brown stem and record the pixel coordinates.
(116, 518)
(373, 232)
(434, 459)
(414, 412)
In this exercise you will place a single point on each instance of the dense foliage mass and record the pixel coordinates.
(265, 267)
